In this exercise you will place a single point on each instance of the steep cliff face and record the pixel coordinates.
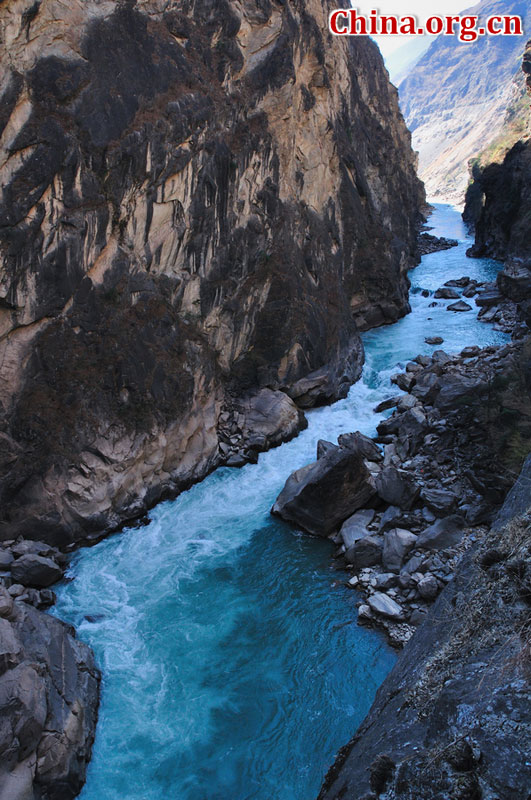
(498, 206)
(456, 98)
(200, 200)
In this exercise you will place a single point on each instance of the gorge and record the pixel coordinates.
(210, 273)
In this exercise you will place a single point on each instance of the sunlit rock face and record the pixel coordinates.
(200, 200)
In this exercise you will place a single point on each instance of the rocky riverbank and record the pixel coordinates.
(452, 718)
(49, 683)
(403, 517)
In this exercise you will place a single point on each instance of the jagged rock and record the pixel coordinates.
(461, 305)
(322, 495)
(33, 570)
(426, 387)
(6, 603)
(413, 427)
(361, 444)
(49, 697)
(324, 447)
(404, 381)
(366, 552)
(446, 294)
(406, 403)
(457, 390)
(428, 587)
(355, 527)
(442, 534)
(271, 416)
(365, 613)
(385, 580)
(381, 603)
(397, 544)
(391, 402)
(397, 488)
(6, 559)
(440, 500)
(488, 298)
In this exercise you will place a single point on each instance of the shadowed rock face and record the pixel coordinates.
(451, 719)
(201, 199)
(49, 698)
(498, 205)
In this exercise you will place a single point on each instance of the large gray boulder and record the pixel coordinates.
(397, 488)
(441, 501)
(366, 552)
(355, 527)
(384, 605)
(322, 495)
(49, 688)
(443, 533)
(459, 390)
(397, 544)
(37, 571)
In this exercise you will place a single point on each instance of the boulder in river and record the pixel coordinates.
(434, 340)
(446, 293)
(461, 305)
(322, 495)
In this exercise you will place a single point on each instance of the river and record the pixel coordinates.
(233, 668)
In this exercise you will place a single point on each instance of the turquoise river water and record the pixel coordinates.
(233, 668)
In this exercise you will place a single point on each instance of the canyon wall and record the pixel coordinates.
(203, 202)
(498, 207)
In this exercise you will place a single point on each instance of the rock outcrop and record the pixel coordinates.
(200, 201)
(49, 700)
(498, 207)
(457, 97)
(451, 719)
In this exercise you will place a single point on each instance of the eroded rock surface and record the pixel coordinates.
(48, 699)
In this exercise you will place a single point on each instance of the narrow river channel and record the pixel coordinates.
(233, 666)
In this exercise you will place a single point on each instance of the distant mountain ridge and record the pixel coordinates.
(456, 97)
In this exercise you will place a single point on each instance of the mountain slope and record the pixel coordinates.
(456, 97)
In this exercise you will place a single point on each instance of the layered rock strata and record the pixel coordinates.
(200, 201)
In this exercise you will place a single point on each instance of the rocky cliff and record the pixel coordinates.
(202, 202)
(456, 98)
(498, 206)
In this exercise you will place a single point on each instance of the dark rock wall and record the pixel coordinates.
(200, 199)
(49, 699)
(451, 720)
